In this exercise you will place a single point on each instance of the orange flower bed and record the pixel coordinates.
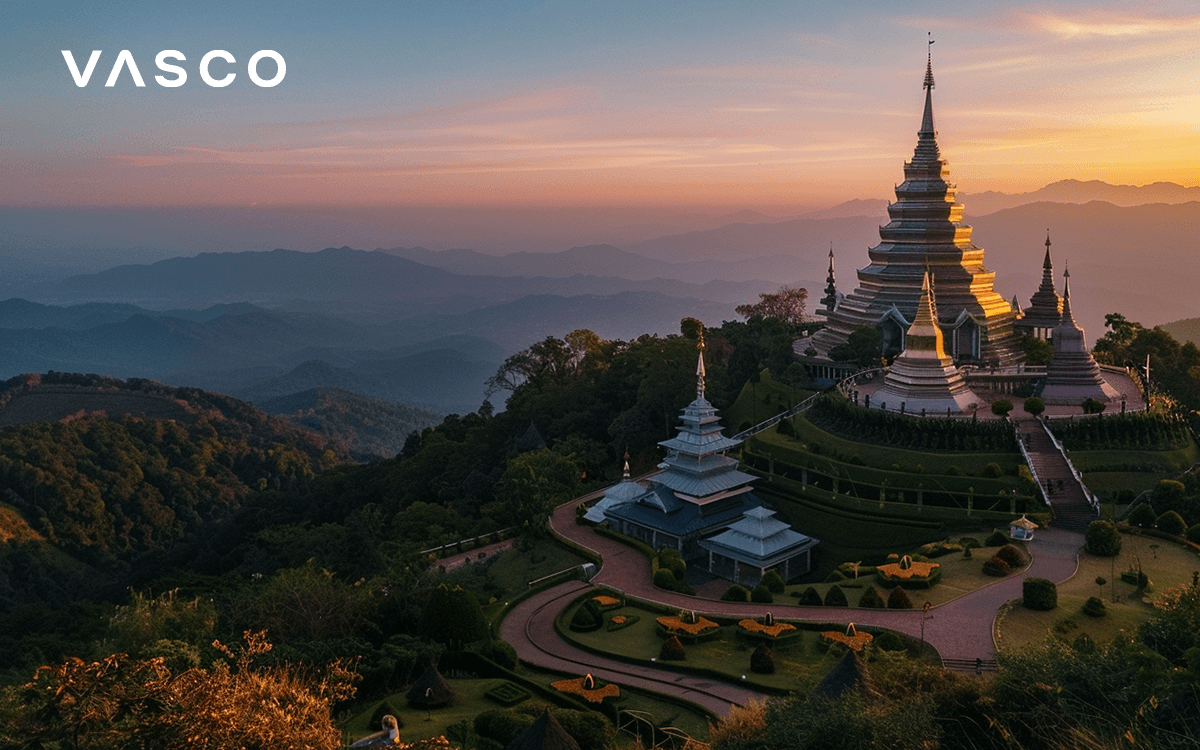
(594, 695)
(854, 639)
(917, 569)
(775, 630)
(606, 601)
(673, 624)
(619, 619)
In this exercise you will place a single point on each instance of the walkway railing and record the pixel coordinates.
(978, 666)
(797, 409)
(1029, 462)
(1087, 494)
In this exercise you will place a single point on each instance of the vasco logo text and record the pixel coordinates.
(177, 75)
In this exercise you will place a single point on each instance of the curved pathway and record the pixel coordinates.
(960, 629)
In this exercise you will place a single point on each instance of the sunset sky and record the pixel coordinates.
(577, 103)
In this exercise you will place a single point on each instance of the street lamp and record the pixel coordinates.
(924, 616)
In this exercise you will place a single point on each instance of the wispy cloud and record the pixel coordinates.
(1099, 24)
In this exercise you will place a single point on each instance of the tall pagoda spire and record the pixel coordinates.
(927, 119)
(1067, 317)
(1045, 306)
(700, 373)
(1073, 374)
(830, 300)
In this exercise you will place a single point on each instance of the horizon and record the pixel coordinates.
(780, 108)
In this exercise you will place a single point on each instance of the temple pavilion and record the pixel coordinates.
(701, 492)
(924, 378)
(759, 542)
(925, 229)
(1073, 375)
(625, 491)
(1045, 306)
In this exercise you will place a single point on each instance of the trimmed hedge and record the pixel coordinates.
(1012, 555)
(1142, 516)
(899, 599)
(871, 599)
(1094, 607)
(762, 661)
(773, 581)
(672, 650)
(736, 593)
(761, 595)
(587, 618)
(996, 567)
(835, 597)
(1171, 523)
(812, 598)
(1039, 594)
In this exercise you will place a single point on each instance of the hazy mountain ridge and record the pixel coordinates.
(1081, 191)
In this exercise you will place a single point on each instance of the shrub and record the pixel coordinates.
(1101, 580)
(835, 597)
(871, 599)
(1093, 406)
(967, 553)
(1171, 523)
(1034, 405)
(1012, 555)
(899, 599)
(889, 641)
(504, 654)
(665, 579)
(1002, 407)
(672, 650)
(992, 471)
(587, 618)
(1142, 516)
(1193, 534)
(1102, 539)
(382, 710)
(773, 581)
(1084, 644)
(762, 661)
(761, 595)
(668, 557)
(996, 567)
(810, 597)
(1094, 607)
(736, 593)
(835, 576)
(969, 541)
(501, 724)
(1039, 594)
(996, 539)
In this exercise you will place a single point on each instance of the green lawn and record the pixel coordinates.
(760, 401)
(1126, 460)
(1168, 565)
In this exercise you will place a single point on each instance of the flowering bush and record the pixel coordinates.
(588, 687)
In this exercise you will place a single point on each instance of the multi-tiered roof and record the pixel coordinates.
(1073, 375)
(1045, 306)
(925, 229)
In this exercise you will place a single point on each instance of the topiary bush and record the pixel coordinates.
(736, 593)
(1102, 539)
(665, 579)
(996, 539)
(1039, 594)
(504, 654)
(1012, 554)
(761, 595)
(1142, 516)
(871, 599)
(382, 710)
(992, 470)
(810, 598)
(1034, 405)
(899, 599)
(996, 567)
(1193, 534)
(1093, 406)
(773, 581)
(889, 641)
(1094, 607)
(1171, 523)
(587, 618)
(762, 661)
(672, 650)
(835, 597)
(835, 576)
(1001, 407)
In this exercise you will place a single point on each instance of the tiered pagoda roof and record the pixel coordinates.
(1045, 306)
(758, 539)
(925, 229)
(1073, 375)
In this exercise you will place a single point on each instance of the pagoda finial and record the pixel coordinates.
(700, 366)
(929, 63)
(927, 129)
(1066, 300)
(1046, 263)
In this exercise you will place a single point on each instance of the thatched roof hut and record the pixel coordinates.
(850, 674)
(430, 691)
(545, 734)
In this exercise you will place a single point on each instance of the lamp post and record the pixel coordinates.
(924, 616)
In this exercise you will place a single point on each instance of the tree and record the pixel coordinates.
(1102, 539)
(787, 305)
(1038, 352)
(863, 347)
(1034, 405)
(1001, 407)
(533, 484)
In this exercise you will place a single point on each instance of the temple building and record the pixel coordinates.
(1073, 375)
(760, 543)
(924, 378)
(701, 492)
(625, 491)
(1045, 306)
(925, 230)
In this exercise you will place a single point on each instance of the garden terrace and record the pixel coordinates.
(835, 414)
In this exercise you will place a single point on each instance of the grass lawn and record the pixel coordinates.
(1106, 484)
(509, 573)
(1168, 461)
(1168, 565)
(760, 401)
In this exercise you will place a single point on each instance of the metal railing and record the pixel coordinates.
(793, 411)
(1087, 494)
(1029, 462)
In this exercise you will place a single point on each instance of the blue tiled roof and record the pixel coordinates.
(686, 520)
(623, 492)
(758, 537)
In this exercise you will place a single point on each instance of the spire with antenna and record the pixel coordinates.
(700, 366)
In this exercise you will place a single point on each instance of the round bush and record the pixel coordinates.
(665, 579)
(992, 470)
(889, 641)
(1101, 580)
(1094, 607)
(504, 654)
(1034, 405)
(1039, 594)
(835, 576)
(871, 599)
(736, 593)
(899, 599)
(1171, 523)
(810, 597)
(1142, 516)
(1084, 644)
(501, 724)
(1002, 407)
(762, 661)
(1102, 539)
(996, 539)
(1012, 555)
(672, 650)
(761, 595)
(835, 597)
(773, 581)
(996, 567)
(1193, 534)
(967, 553)
(587, 618)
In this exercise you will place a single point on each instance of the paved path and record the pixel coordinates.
(450, 562)
(959, 629)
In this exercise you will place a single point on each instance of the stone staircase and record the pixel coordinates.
(1072, 511)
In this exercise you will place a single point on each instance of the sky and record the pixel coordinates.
(724, 105)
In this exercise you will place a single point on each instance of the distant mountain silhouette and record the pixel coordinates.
(1077, 191)
(1184, 330)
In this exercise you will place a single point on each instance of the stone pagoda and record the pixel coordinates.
(925, 229)
(1073, 376)
(924, 378)
(700, 490)
(1045, 306)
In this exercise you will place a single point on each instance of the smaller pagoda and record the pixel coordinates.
(1045, 306)
(1073, 376)
(762, 543)
(625, 491)
(924, 377)
(832, 296)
